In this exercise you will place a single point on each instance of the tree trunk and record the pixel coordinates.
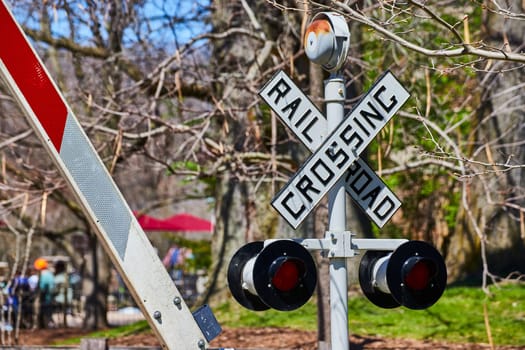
(95, 285)
(242, 205)
(227, 237)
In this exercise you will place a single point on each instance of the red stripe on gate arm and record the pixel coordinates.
(31, 78)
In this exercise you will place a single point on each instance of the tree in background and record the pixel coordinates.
(462, 135)
(111, 61)
(491, 223)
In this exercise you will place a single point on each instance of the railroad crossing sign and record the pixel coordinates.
(338, 152)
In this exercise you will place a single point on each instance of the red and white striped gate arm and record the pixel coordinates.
(113, 220)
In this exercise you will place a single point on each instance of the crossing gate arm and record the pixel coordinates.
(112, 219)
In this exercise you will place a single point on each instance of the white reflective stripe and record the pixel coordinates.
(96, 186)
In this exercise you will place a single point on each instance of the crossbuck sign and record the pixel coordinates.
(338, 153)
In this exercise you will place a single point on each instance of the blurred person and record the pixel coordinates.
(46, 289)
(33, 303)
(20, 299)
(63, 292)
(14, 289)
(75, 283)
(32, 280)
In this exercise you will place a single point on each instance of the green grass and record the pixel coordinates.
(233, 315)
(457, 317)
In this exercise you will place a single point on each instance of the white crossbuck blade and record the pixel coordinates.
(339, 152)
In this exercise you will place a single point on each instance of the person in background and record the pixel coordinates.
(46, 287)
(21, 298)
(32, 305)
(15, 291)
(32, 280)
(63, 292)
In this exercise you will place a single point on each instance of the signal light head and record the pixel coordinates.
(281, 275)
(414, 275)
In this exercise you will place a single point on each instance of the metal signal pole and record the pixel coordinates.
(334, 98)
(327, 41)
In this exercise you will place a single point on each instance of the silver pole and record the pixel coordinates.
(334, 98)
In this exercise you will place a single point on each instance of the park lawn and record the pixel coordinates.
(459, 316)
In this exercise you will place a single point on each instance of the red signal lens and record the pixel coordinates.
(286, 276)
(419, 275)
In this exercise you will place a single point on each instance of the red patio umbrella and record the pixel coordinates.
(178, 222)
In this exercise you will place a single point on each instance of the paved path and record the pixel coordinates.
(115, 318)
